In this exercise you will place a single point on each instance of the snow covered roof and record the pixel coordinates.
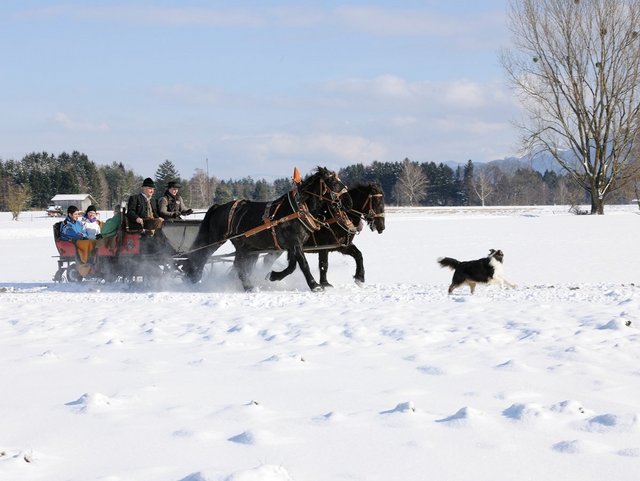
(69, 197)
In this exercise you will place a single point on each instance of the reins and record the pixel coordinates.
(300, 212)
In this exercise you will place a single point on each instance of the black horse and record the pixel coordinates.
(368, 206)
(283, 224)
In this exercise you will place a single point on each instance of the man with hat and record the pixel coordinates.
(171, 206)
(141, 211)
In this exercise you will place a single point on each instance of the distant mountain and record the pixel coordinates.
(539, 162)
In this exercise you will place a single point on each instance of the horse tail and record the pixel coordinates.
(448, 262)
(202, 246)
(202, 238)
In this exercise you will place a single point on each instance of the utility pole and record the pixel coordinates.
(209, 200)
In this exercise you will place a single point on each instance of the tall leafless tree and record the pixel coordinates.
(202, 189)
(482, 187)
(575, 65)
(411, 186)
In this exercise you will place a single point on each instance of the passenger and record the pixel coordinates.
(91, 223)
(72, 228)
(171, 205)
(111, 226)
(109, 229)
(141, 211)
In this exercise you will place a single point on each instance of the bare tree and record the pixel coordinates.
(576, 66)
(202, 189)
(411, 186)
(18, 199)
(482, 186)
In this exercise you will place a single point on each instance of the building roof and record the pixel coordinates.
(70, 197)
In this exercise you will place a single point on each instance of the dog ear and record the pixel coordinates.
(491, 251)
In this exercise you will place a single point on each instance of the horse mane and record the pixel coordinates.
(368, 187)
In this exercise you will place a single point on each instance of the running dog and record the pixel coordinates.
(487, 270)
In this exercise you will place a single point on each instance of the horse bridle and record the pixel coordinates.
(367, 212)
(334, 196)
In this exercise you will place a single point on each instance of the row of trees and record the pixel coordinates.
(34, 180)
(575, 65)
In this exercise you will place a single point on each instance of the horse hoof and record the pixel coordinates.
(271, 277)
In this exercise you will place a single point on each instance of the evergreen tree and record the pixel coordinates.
(283, 185)
(263, 191)
(467, 183)
(166, 172)
(224, 193)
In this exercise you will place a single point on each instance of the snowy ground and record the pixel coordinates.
(391, 381)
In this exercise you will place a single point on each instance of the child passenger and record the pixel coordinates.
(92, 224)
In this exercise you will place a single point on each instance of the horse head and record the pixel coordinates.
(368, 202)
(324, 192)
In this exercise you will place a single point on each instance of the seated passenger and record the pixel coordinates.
(72, 228)
(171, 205)
(141, 211)
(111, 226)
(91, 223)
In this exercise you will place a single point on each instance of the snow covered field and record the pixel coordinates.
(391, 381)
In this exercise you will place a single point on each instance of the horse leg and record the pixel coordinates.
(194, 265)
(243, 263)
(354, 252)
(323, 266)
(270, 258)
(291, 266)
(298, 254)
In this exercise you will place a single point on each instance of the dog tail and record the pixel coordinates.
(448, 262)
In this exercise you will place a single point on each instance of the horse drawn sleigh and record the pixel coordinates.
(319, 214)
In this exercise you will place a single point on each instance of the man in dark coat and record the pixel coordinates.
(141, 210)
(171, 205)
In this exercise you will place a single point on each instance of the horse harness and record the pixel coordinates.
(270, 220)
(366, 212)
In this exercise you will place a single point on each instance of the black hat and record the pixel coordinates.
(90, 209)
(148, 182)
(71, 209)
(174, 184)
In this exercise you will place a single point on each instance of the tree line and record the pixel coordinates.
(38, 177)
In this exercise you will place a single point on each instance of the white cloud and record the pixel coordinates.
(464, 93)
(459, 95)
(171, 16)
(320, 146)
(385, 21)
(65, 121)
(469, 126)
(379, 21)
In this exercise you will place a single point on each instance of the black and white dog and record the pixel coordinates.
(487, 270)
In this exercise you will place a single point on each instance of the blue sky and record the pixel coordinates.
(255, 87)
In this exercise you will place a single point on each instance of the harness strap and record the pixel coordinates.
(275, 239)
(269, 224)
(267, 209)
(230, 218)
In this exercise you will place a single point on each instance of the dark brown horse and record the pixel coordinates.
(367, 206)
(283, 224)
